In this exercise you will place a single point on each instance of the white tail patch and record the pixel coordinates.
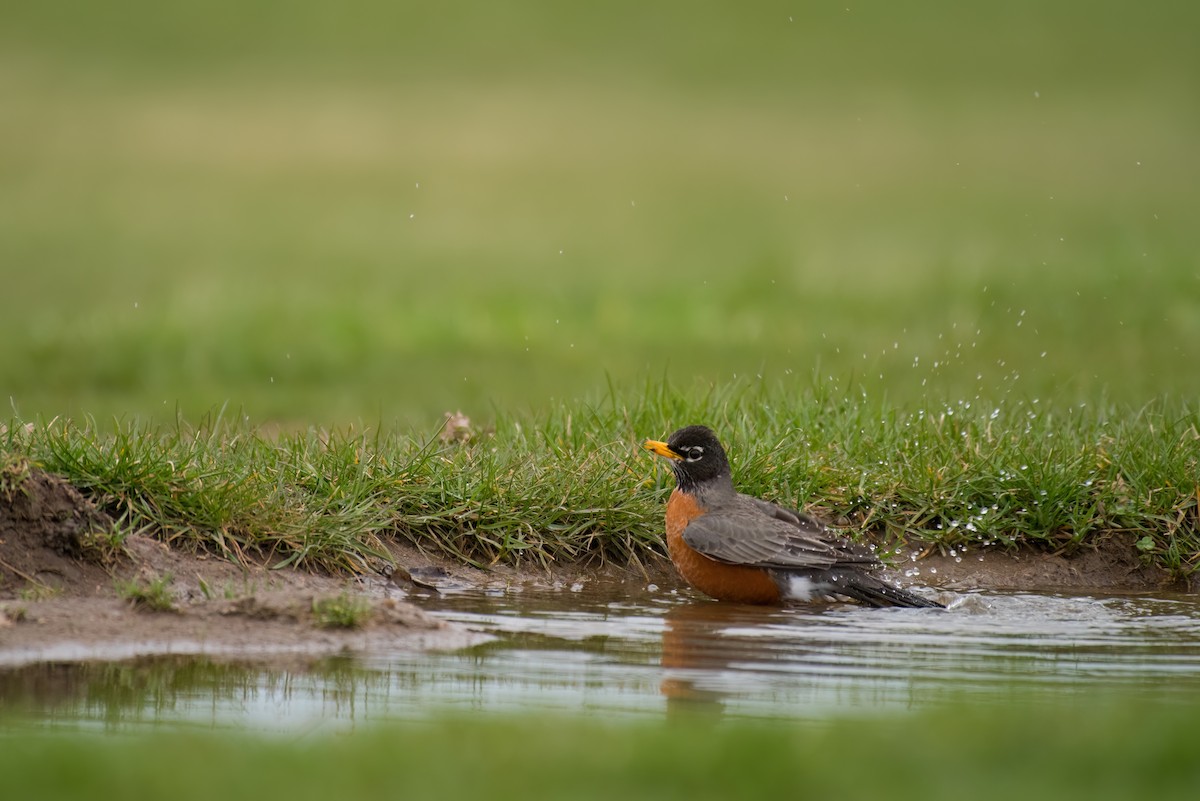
(801, 588)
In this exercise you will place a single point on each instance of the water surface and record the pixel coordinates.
(608, 649)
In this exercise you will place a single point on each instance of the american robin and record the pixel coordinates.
(734, 547)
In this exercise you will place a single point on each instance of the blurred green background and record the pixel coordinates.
(333, 212)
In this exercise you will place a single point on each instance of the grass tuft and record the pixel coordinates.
(14, 470)
(39, 592)
(153, 595)
(13, 614)
(341, 611)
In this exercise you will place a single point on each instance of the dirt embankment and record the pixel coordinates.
(65, 588)
(67, 591)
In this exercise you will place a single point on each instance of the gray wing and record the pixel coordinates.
(758, 533)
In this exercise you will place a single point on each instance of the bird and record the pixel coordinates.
(735, 547)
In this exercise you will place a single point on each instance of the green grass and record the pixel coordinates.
(359, 220)
(573, 485)
(1107, 748)
(383, 215)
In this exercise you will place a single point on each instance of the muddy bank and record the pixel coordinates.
(67, 592)
(65, 588)
(1112, 565)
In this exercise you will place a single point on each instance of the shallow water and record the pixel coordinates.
(597, 650)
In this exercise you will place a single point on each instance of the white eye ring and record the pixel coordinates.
(695, 453)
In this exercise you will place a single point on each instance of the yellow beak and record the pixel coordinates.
(661, 448)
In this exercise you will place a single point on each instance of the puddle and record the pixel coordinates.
(599, 651)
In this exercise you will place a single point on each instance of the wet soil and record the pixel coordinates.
(1112, 564)
(59, 598)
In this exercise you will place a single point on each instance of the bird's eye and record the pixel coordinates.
(695, 453)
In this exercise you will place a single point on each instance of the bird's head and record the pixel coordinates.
(695, 454)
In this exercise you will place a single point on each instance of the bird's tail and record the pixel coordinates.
(877, 592)
(867, 589)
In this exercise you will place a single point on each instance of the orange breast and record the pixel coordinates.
(747, 585)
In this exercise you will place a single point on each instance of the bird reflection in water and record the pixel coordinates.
(702, 644)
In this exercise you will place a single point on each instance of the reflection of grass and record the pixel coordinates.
(572, 484)
(1107, 748)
